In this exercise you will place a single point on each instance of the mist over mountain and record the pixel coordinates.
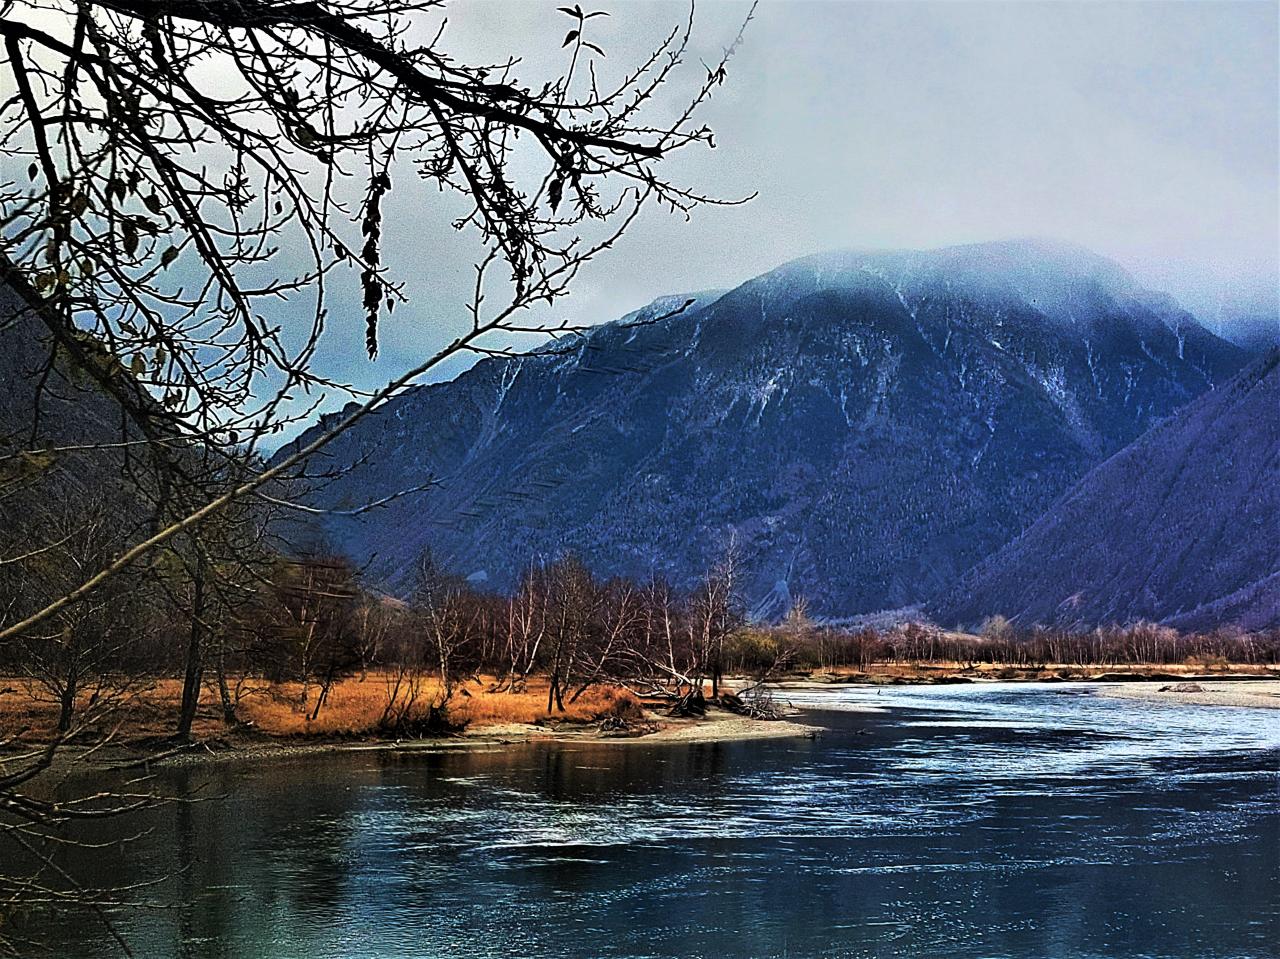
(1254, 333)
(1241, 305)
(860, 427)
(1182, 526)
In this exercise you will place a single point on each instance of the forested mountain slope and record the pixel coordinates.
(1182, 526)
(862, 426)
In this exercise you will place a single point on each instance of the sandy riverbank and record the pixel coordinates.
(1256, 691)
(1258, 694)
(717, 726)
(721, 726)
(942, 673)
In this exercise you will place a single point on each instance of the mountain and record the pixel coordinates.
(1254, 333)
(1182, 526)
(861, 426)
(43, 404)
(74, 440)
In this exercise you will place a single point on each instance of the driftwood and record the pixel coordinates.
(692, 703)
(757, 704)
(622, 726)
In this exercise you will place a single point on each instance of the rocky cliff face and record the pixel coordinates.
(862, 427)
(1182, 526)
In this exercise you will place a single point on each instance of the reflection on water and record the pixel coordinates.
(948, 821)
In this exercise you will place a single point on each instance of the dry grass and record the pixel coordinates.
(486, 708)
(22, 707)
(354, 708)
(146, 710)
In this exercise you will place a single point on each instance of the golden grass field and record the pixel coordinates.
(353, 708)
(355, 705)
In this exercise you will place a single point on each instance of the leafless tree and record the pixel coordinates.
(444, 617)
(375, 619)
(526, 623)
(619, 621)
(715, 612)
(572, 598)
(180, 157)
(78, 659)
(174, 172)
(317, 598)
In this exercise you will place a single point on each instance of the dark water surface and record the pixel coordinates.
(1005, 820)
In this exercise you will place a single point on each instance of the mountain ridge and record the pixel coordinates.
(863, 425)
(1181, 526)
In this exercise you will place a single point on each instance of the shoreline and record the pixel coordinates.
(915, 674)
(717, 726)
(1260, 689)
(1251, 693)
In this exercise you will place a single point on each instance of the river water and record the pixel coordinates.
(958, 821)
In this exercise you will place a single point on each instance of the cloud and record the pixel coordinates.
(1144, 131)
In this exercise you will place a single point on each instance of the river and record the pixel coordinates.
(1004, 820)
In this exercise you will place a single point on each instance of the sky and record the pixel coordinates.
(1145, 131)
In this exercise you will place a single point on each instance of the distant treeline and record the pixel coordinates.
(999, 642)
(311, 622)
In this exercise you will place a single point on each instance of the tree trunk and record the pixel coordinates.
(325, 685)
(224, 692)
(68, 705)
(195, 661)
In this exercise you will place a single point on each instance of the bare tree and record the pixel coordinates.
(526, 626)
(175, 149)
(317, 599)
(572, 598)
(78, 659)
(444, 618)
(715, 613)
(182, 169)
(619, 612)
(375, 619)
